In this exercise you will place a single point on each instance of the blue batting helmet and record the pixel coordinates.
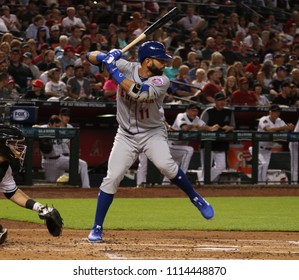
(152, 49)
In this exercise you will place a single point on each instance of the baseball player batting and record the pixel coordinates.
(142, 88)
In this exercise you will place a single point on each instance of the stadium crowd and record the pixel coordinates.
(246, 49)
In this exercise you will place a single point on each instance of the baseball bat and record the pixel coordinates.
(157, 24)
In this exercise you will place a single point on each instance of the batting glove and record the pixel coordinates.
(116, 53)
(110, 63)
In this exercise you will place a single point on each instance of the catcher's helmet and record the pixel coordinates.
(10, 147)
(152, 49)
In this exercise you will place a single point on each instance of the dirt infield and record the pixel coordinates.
(32, 241)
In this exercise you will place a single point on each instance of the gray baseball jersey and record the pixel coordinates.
(141, 129)
(137, 117)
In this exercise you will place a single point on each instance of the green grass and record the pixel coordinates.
(231, 213)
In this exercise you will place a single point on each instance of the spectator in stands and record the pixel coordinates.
(27, 13)
(7, 37)
(228, 53)
(191, 56)
(95, 83)
(71, 20)
(4, 66)
(209, 48)
(78, 87)
(196, 46)
(192, 21)
(217, 61)
(169, 40)
(81, 13)
(238, 41)
(49, 57)
(180, 85)
(243, 96)
(68, 57)
(112, 42)
(37, 91)
(11, 21)
(134, 23)
(192, 71)
(41, 37)
(25, 47)
(44, 75)
(222, 118)
(5, 48)
(54, 36)
(295, 77)
(32, 48)
(84, 45)
(31, 31)
(285, 96)
(278, 59)
(109, 88)
(278, 80)
(54, 18)
(265, 75)
(172, 71)
(3, 27)
(12, 90)
(75, 37)
(27, 60)
(212, 87)
(254, 66)
(293, 62)
(4, 78)
(262, 99)
(200, 79)
(183, 47)
(229, 87)
(68, 73)
(19, 72)
(63, 39)
(55, 88)
(122, 37)
(41, 53)
(234, 25)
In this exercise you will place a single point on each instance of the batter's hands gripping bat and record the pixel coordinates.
(157, 24)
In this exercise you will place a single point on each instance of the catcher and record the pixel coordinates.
(12, 154)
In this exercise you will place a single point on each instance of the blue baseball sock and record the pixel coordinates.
(184, 184)
(104, 202)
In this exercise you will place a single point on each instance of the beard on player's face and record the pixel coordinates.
(154, 69)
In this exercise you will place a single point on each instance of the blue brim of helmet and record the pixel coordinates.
(163, 57)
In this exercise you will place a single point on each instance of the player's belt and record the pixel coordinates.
(52, 157)
(65, 154)
(265, 148)
(129, 132)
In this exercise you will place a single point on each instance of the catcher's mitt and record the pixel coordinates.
(53, 220)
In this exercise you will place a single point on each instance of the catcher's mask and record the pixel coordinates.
(10, 137)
